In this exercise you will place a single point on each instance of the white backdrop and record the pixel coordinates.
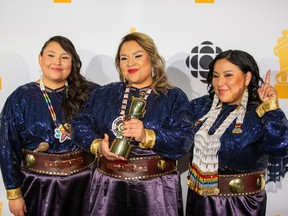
(96, 28)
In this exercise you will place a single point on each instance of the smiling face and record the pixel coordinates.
(56, 65)
(229, 82)
(135, 64)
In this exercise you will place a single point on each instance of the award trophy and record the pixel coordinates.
(121, 145)
(281, 50)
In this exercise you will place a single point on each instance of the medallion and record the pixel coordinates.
(61, 133)
(116, 126)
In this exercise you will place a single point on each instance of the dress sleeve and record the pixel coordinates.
(84, 126)
(276, 143)
(11, 127)
(174, 136)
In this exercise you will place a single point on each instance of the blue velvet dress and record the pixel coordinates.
(263, 144)
(25, 122)
(167, 117)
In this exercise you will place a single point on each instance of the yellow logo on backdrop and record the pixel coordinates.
(62, 1)
(196, 1)
(281, 50)
(132, 29)
(1, 204)
(0, 83)
(204, 1)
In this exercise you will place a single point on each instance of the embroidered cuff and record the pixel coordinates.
(267, 106)
(14, 194)
(94, 148)
(150, 139)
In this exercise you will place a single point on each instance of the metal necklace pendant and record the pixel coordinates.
(116, 126)
(118, 122)
(61, 132)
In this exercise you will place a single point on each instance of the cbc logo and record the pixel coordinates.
(200, 58)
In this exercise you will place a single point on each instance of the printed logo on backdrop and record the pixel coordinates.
(0, 83)
(62, 1)
(200, 58)
(204, 1)
(196, 1)
(281, 51)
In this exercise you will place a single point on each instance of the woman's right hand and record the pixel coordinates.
(105, 150)
(17, 207)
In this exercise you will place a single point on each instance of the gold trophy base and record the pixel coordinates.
(282, 90)
(121, 147)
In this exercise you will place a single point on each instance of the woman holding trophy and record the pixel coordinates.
(137, 128)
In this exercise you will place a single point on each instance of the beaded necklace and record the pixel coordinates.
(117, 123)
(60, 131)
(203, 173)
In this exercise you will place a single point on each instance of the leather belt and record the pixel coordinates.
(241, 184)
(57, 164)
(232, 185)
(137, 167)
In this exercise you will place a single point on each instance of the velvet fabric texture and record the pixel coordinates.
(57, 195)
(156, 196)
(26, 122)
(262, 145)
(250, 205)
(167, 116)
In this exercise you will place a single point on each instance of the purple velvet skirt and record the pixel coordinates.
(157, 196)
(249, 205)
(57, 195)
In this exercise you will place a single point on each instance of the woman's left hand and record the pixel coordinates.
(134, 128)
(104, 149)
(267, 92)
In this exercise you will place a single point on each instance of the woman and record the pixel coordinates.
(144, 180)
(43, 171)
(238, 135)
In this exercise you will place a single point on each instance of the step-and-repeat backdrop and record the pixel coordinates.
(188, 34)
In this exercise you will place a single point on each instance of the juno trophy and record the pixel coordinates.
(121, 145)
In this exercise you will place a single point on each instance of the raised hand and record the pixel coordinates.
(267, 92)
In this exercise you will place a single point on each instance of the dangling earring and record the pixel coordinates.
(67, 88)
(242, 110)
(153, 73)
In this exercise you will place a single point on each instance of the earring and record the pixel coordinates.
(242, 111)
(153, 73)
(67, 88)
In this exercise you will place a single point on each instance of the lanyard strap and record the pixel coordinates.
(143, 95)
(48, 102)
(125, 100)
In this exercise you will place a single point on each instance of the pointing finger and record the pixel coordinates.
(267, 78)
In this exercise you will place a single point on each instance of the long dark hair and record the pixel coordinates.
(246, 63)
(79, 88)
(160, 81)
